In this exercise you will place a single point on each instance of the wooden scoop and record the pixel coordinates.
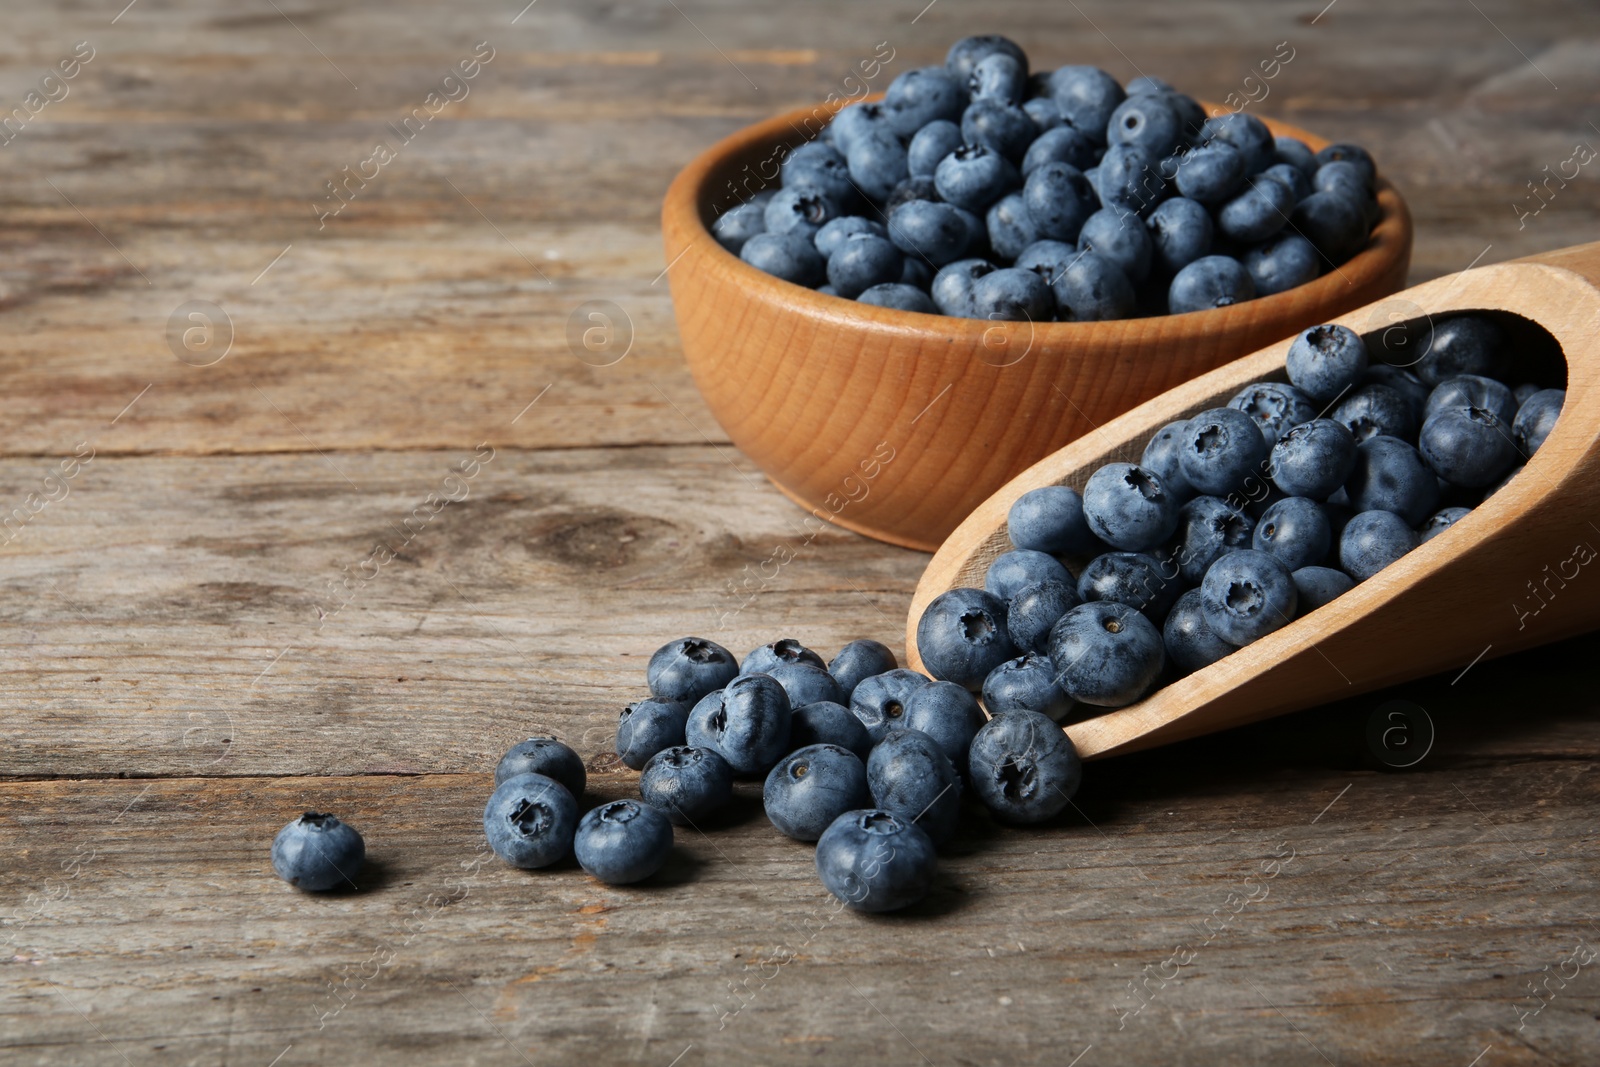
(1520, 570)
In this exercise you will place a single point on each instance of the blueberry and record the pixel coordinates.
(1472, 391)
(784, 650)
(909, 189)
(1462, 344)
(1296, 531)
(1222, 448)
(746, 723)
(546, 756)
(1034, 609)
(873, 861)
(1145, 85)
(951, 289)
(900, 297)
(1536, 417)
(801, 211)
(1148, 121)
(1027, 683)
(1277, 408)
(530, 820)
(1522, 392)
(1020, 567)
(877, 161)
(738, 224)
(1247, 595)
(647, 727)
(1010, 227)
(1441, 521)
(1208, 528)
(1042, 110)
(1376, 410)
(813, 786)
(827, 723)
(1050, 519)
(1086, 98)
(1135, 579)
(1390, 475)
(917, 98)
(804, 683)
(1284, 262)
(1410, 388)
(1299, 185)
(1373, 540)
(1333, 223)
(1294, 152)
(790, 256)
(317, 852)
(947, 713)
(1355, 155)
(854, 121)
(930, 145)
(1211, 174)
(859, 660)
(864, 260)
(1127, 507)
(936, 232)
(689, 668)
(1064, 144)
(1341, 177)
(1129, 181)
(1120, 239)
(836, 231)
(1011, 294)
(686, 783)
(1107, 654)
(880, 701)
(1209, 282)
(1248, 134)
(962, 636)
(623, 842)
(1024, 768)
(820, 167)
(1470, 447)
(1180, 233)
(1326, 361)
(1317, 586)
(916, 273)
(911, 778)
(968, 52)
(974, 176)
(1314, 458)
(999, 77)
(1256, 213)
(1189, 642)
(1091, 288)
(1005, 128)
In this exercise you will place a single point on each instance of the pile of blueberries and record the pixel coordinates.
(982, 190)
(1238, 520)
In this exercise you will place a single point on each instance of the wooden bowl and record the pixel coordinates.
(897, 424)
(1515, 572)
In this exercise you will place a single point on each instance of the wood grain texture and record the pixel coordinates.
(388, 345)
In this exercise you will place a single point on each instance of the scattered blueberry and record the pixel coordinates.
(811, 787)
(688, 669)
(825, 723)
(1027, 683)
(946, 712)
(317, 852)
(546, 756)
(911, 778)
(747, 723)
(859, 660)
(962, 636)
(686, 783)
(873, 861)
(784, 650)
(623, 841)
(806, 683)
(648, 726)
(1024, 768)
(530, 820)
(880, 701)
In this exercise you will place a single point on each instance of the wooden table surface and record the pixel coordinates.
(242, 586)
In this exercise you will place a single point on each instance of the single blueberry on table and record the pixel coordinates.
(647, 727)
(1149, 121)
(546, 756)
(858, 660)
(1461, 344)
(1006, 128)
(900, 297)
(1333, 223)
(1086, 98)
(911, 778)
(1314, 459)
(1190, 643)
(1121, 239)
(1327, 361)
(872, 861)
(1161, 457)
(1276, 407)
(1373, 540)
(784, 650)
(1469, 447)
(1181, 232)
(738, 224)
(862, 261)
(1127, 507)
(1260, 210)
(1027, 683)
(930, 145)
(623, 841)
(1209, 282)
(1058, 199)
(746, 723)
(1472, 391)
(1050, 519)
(317, 852)
(1091, 288)
(1034, 609)
(1208, 527)
(880, 702)
(1135, 579)
(835, 232)
(806, 683)
(1011, 294)
(802, 210)
(947, 713)
(826, 723)
(1064, 144)
(1284, 262)
(686, 783)
(1106, 654)
(790, 256)
(1536, 417)
(1024, 768)
(933, 231)
(1222, 448)
(968, 52)
(1390, 475)
(962, 636)
(529, 821)
(951, 288)
(1021, 567)
(1129, 180)
(1296, 531)
(813, 786)
(999, 77)
(687, 669)
(1440, 521)
(1247, 595)
(916, 99)
(1317, 586)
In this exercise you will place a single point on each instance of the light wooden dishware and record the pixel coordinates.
(1518, 571)
(818, 390)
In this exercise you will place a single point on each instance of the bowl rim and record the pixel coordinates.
(683, 215)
